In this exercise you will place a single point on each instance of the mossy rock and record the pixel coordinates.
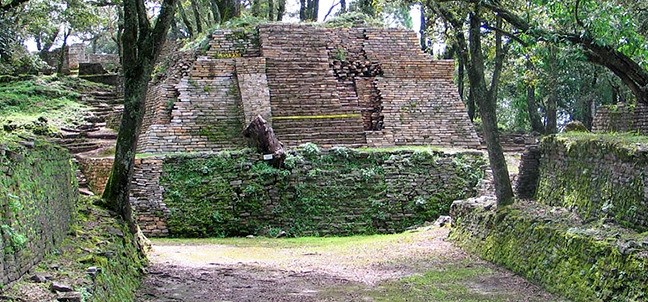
(575, 126)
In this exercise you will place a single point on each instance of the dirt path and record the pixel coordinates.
(418, 266)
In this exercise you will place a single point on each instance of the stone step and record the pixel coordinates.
(79, 147)
(102, 135)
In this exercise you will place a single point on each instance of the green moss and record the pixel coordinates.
(35, 183)
(22, 103)
(582, 262)
(595, 175)
(449, 284)
(336, 192)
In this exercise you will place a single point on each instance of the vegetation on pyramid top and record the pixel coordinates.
(354, 19)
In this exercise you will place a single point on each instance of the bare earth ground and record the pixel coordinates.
(415, 266)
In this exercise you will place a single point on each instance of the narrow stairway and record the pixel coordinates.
(96, 136)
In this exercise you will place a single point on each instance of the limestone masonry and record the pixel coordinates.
(344, 86)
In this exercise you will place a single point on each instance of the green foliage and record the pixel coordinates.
(354, 19)
(575, 126)
(310, 150)
(246, 22)
(606, 21)
(336, 192)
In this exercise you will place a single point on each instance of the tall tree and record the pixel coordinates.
(595, 27)
(484, 93)
(308, 10)
(142, 43)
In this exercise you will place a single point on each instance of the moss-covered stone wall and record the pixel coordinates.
(38, 192)
(340, 191)
(551, 246)
(597, 176)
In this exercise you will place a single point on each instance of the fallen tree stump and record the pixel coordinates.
(263, 138)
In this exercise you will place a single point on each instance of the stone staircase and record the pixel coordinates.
(95, 134)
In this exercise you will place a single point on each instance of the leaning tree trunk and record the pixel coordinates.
(263, 138)
(141, 48)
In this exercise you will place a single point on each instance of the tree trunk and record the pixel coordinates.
(302, 10)
(308, 10)
(185, 20)
(263, 138)
(343, 7)
(213, 5)
(281, 9)
(487, 108)
(532, 109)
(141, 47)
(315, 10)
(422, 30)
(64, 50)
(586, 102)
(552, 118)
(196, 13)
(270, 10)
(532, 106)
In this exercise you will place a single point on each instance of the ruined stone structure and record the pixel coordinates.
(621, 118)
(582, 232)
(336, 192)
(352, 87)
(75, 55)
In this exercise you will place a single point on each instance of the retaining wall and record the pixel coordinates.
(335, 192)
(38, 193)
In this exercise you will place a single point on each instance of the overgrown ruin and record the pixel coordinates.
(350, 87)
(345, 86)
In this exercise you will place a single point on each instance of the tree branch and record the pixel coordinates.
(142, 18)
(506, 33)
(167, 11)
(629, 71)
(330, 10)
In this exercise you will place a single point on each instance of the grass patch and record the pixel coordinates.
(460, 282)
(323, 242)
(24, 101)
